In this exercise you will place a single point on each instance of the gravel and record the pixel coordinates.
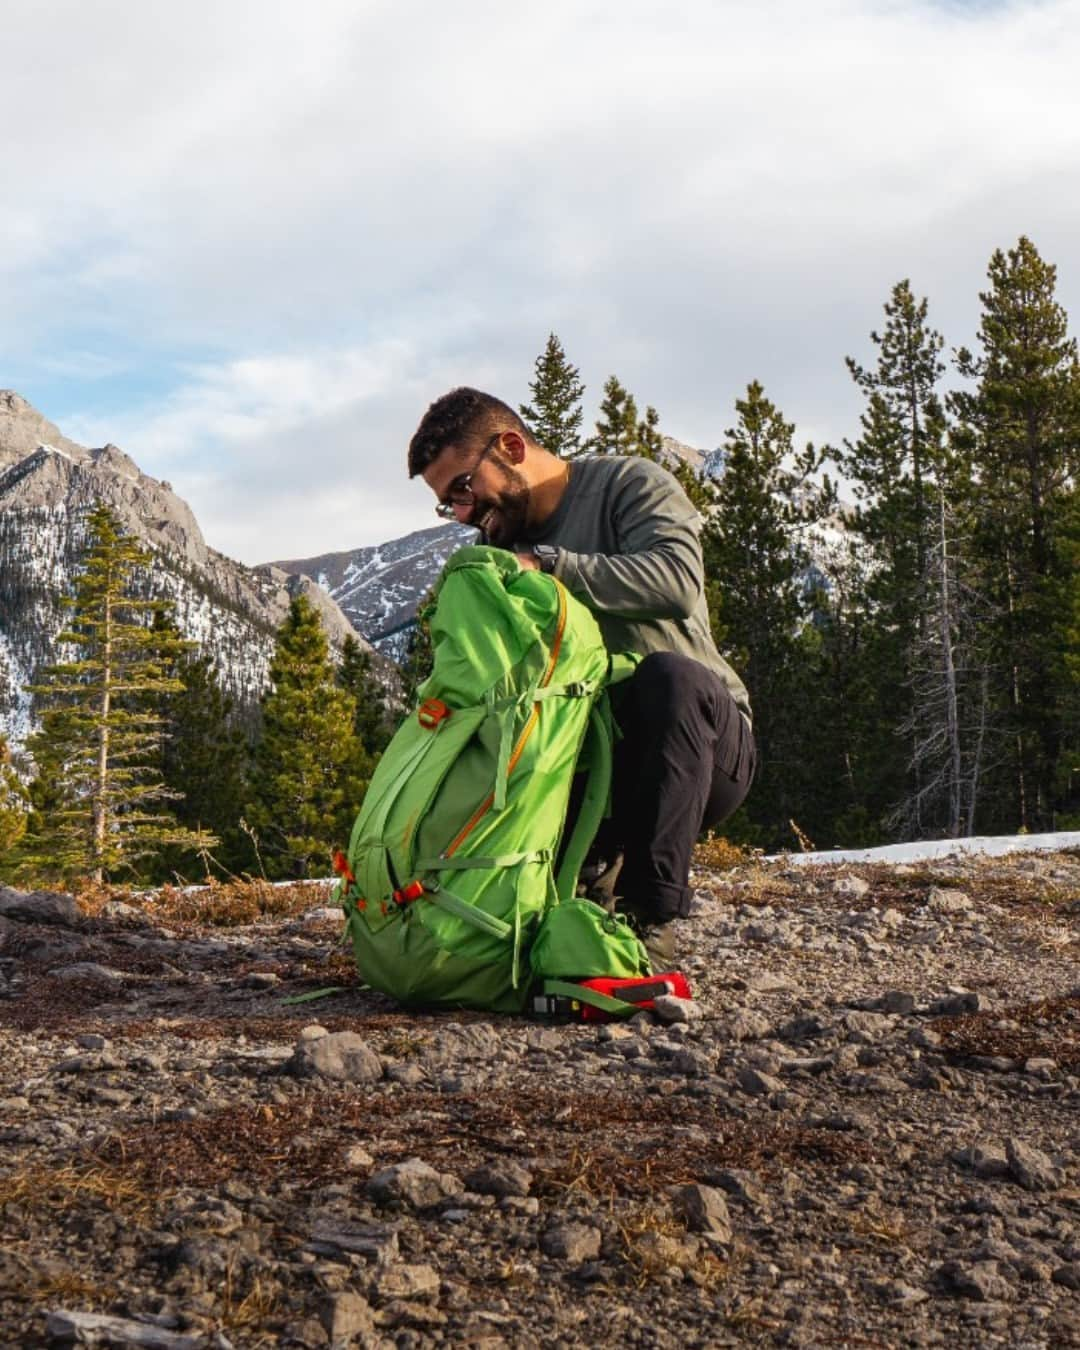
(865, 1129)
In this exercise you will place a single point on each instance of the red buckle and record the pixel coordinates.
(431, 712)
(413, 891)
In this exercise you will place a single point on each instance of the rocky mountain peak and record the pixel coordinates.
(48, 484)
(23, 429)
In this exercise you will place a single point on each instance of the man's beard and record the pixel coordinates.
(500, 517)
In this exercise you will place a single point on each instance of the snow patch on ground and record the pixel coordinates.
(925, 850)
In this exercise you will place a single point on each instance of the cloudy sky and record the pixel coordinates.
(250, 240)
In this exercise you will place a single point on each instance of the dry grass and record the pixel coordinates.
(606, 1145)
(719, 853)
(65, 1288)
(59, 1189)
(653, 1242)
(1049, 1029)
(49, 1002)
(216, 904)
(881, 1228)
(249, 1310)
(759, 884)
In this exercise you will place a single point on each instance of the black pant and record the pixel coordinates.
(685, 763)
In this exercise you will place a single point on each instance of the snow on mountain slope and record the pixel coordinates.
(229, 610)
(379, 587)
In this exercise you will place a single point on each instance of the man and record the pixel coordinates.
(621, 535)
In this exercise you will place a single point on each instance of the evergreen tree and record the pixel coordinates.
(355, 676)
(902, 445)
(700, 489)
(617, 425)
(420, 655)
(204, 758)
(841, 731)
(554, 414)
(648, 441)
(757, 565)
(14, 802)
(898, 467)
(1021, 426)
(98, 808)
(310, 769)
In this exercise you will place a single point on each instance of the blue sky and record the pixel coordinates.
(249, 242)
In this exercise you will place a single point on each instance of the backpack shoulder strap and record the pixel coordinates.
(596, 753)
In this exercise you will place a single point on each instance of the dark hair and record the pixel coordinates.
(459, 416)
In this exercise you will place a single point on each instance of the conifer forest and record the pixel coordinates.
(919, 677)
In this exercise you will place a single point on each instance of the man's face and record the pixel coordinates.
(495, 495)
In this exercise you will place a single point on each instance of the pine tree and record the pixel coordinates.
(98, 808)
(310, 769)
(898, 468)
(757, 564)
(648, 442)
(204, 758)
(355, 676)
(555, 413)
(700, 489)
(617, 425)
(1021, 425)
(420, 655)
(14, 803)
(902, 445)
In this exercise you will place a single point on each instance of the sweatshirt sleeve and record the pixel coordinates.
(656, 571)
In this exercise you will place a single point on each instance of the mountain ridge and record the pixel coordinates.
(380, 586)
(48, 484)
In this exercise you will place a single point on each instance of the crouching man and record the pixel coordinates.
(621, 535)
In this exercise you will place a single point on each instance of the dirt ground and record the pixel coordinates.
(864, 1132)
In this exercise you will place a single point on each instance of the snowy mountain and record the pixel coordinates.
(380, 587)
(47, 485)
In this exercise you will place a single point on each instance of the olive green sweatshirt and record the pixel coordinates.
(629, 549)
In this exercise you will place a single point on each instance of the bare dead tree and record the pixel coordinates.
(951, 729)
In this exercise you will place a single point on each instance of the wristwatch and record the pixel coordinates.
(546, 555)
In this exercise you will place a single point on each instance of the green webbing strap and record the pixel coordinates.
(461, 909)
(515, 966)
(597, 754)
(313, 995)
(464, 864)
(616, 1006)
(506, 717)
(572, 689)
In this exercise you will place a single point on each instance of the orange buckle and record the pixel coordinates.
(413, 891)
(431, 712)
(341, 866)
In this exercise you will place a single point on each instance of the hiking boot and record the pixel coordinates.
(658, 940)
(597, 882)
(657, 937)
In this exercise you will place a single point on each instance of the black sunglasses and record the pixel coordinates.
(460, 493)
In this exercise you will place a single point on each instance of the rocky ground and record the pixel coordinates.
(866, 1132)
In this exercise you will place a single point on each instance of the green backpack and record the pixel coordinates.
(448, 886)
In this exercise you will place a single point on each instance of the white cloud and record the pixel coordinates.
(305, 223)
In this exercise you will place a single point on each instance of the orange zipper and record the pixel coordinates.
(526, 730)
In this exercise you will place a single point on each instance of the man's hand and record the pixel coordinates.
(528, 562)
